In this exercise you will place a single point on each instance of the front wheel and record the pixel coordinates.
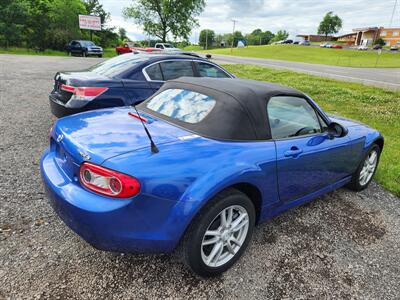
(219, 234)
(84, 54)
(366, 170)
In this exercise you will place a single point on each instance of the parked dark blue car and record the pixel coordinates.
(124, 80)
(216, 157)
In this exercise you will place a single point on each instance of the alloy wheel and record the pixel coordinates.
(368, 168)
(225, 236)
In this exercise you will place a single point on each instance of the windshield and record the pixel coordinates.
(88, 43)
(168, 46)
(183, 105)
(117, 65)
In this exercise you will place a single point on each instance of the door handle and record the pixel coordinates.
(293, 152)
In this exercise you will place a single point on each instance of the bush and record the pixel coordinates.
(380, 41)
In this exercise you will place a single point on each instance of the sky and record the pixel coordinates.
(294, 16)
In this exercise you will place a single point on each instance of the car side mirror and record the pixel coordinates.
(336, 130)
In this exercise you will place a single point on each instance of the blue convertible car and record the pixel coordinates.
(198, 165)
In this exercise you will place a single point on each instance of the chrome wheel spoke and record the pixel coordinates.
(372, 158)
(210, 241)
(239, 223)
(230, 248)
(212, 233)
(235, 241)
(216, 249)
(230, 216)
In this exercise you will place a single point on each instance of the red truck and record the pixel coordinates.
(130, 47)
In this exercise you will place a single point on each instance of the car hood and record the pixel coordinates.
(99, 135)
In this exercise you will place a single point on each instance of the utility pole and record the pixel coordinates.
(233, 33)
(394, 10)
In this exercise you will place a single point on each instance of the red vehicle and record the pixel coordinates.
(130, 47)
(336, 46)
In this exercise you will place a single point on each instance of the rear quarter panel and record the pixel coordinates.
(191, 172)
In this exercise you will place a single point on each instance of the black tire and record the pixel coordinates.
(100, 55)
(355, 184)
(84, 54)
(192, 241)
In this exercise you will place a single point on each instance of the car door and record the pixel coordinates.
(77, 48)
(308, 159)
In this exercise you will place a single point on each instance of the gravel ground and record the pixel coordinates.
(344, 245)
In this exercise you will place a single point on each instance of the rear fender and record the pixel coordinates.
(206, 187)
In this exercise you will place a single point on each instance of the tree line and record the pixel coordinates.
(256, 37)
(51, 24)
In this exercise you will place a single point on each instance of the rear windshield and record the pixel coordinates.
(117, 65)
(183, 105)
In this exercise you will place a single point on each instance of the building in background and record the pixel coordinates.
(349, 38)
(368, 35)
(390, 35)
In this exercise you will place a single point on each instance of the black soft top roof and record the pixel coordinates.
(240, 112)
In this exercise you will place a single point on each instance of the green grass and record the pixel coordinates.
(376, 107)
(193, 48)
(316, 55)
(26, 51)
(108, 52)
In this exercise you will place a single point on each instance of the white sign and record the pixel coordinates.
(89, 22)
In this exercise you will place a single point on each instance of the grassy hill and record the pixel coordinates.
(316, 55)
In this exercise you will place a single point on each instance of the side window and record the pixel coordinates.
(208, 70)
(154, 72)
(175, 69)
(291, 116)
(159, 46)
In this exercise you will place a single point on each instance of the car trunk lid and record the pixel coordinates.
(99, 135)
(78, 79)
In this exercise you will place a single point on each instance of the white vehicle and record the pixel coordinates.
(326, 45)
(167, 47)
(362, 47)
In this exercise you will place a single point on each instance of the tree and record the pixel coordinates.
(206, 34)
(162, 17)
(280, 36)
(237, 36)
(380, 41)
(93, 7)
(258, 37)
(63, 26)
(122, 33)
(13, 21)
(330, 24)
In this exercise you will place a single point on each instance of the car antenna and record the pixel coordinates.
(153, 146)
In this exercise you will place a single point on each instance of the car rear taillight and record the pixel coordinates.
(108, 182)
(83, 93)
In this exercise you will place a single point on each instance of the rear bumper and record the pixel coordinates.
(60, 110)
(138, 224)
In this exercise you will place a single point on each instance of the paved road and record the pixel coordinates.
(381, 77)
(344, 245)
